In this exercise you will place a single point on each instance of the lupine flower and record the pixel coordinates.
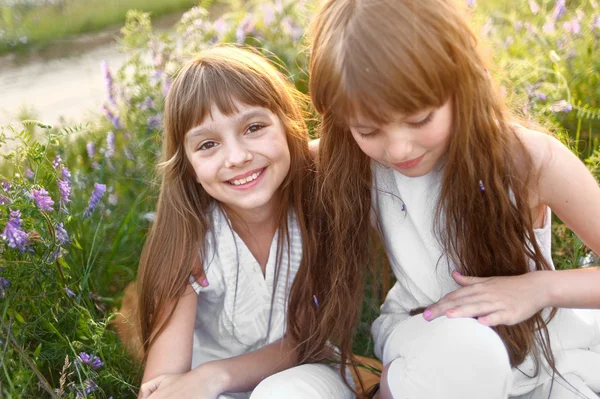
(559, 10)
(89, 386)
(66, 174)
(220, 26)
(4, 200)
(110, 145)
(112, 117)
(61, 234)
(65, 190)
(269, 13)
(57, 162)
(147, 103)
(573, 27)
(245, 27)
(42, 199)
(4, 285)
(29, 174)
(94, 361)
(535, 9)
(69, 293)
(540, 96)
(108, 82)
(99, 190)
(561, 106)
(91, 149)
(6, 186)
(154, 121)
(595, 23)
(13, 235)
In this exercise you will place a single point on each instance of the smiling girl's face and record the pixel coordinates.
(240, 159)
(410, 144)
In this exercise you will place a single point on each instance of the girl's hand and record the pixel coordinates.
(204, 382)
(493, 300)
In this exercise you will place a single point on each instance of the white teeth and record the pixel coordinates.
(246, 179)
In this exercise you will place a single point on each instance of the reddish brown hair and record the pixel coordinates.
(219, 76)
(387, 57)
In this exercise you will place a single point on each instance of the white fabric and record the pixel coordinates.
(403, 211)
(233, 312)
(306, 381)
(446, 358)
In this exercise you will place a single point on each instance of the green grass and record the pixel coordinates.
(43, 25)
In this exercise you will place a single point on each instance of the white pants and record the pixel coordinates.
(307, 381)
(446, 358)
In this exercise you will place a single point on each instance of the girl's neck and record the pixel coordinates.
(255, 221)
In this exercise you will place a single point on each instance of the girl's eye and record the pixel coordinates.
(253, 128)
(207, 145)
(422, 122)
(368, 135)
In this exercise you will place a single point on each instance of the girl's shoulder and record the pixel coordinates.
(540, 146)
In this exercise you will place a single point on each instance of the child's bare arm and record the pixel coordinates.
(171, 353)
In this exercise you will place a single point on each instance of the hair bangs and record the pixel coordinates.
(377, 67)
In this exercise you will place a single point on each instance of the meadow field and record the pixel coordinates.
(76, 201)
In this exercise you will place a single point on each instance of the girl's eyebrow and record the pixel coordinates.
(240, 120)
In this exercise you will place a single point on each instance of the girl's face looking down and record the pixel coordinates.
(411, 144)
(240, 159)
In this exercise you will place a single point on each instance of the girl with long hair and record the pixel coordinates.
(234, 206)
(416, 142)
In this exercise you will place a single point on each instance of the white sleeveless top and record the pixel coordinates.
(403, 211)
(240, 311)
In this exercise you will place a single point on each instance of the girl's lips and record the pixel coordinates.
(249, 184)
(409, 164)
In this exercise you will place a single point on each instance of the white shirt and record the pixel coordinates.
(235, 310)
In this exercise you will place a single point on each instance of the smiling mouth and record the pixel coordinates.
(247, 179)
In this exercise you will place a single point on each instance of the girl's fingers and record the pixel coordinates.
(477, 309)
(493, 319)
(147, 388)
(454, 299)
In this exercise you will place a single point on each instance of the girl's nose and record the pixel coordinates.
(237, 155)
(399, 149)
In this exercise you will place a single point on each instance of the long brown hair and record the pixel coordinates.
(218, 76)
(377, 59)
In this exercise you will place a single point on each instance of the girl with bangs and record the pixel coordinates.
(237, 178)
(415, 141)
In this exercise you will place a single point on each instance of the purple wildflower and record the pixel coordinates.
(99, 190)
(154, 122)
(65, 190)
(42, 199)
(110, 145)
(535, 9)
(147, 103)
(595, 23)
(246, 27)
(91, 149)
(4, 200)
(559, 10)
(548, 26)
(29, 174)
(89, 386)
(61, 234)
(6, 186)
(112, 117)
(94, 361)
(108, 82)
(65, 174)
(561, 106)
(573, 27)
(220, 26)
(269, 13)
(57, 162)
(13, 234)
(4, 284)
(540, 96)
(69, 293)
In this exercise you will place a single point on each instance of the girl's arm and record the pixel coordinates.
(172, 350)
(570, 190)
(237, 374)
